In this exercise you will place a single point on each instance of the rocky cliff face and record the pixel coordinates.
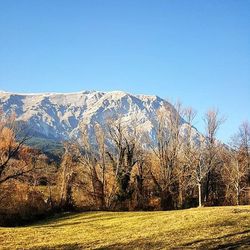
(61, 116)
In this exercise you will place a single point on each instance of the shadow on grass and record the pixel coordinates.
(149, 243)
(213, 244)
(61, 246)
(244, 242)
(50, 221)
(136, 244)
(74, 223)
(67, 221)
(84, 218)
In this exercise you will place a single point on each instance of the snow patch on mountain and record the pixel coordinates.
(62, 115)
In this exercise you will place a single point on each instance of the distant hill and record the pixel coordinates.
(53, 149)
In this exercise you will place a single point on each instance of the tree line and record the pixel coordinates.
(116, 168)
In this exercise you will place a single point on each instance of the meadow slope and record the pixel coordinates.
(204, 228)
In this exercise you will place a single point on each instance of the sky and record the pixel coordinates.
(197, 52)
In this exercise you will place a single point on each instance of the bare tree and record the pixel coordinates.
(142, 177)
(236, 168)
(92, 159)
(68, 175)
(235, 175)
(244, 144)
(199, 171)
(194, 167)
(187, 157)
(12, 140)
(167, 152)
(123, 157)
(213, 122)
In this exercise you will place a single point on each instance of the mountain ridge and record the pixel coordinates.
(60, 116)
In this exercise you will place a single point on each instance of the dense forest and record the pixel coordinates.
(121, 170)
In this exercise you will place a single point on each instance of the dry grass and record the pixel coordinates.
(205, 228)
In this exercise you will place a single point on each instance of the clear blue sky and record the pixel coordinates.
(194, 51)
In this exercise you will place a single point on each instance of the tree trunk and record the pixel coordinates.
(207, 187)
(237, 196)
(199, 193)
(180, 198)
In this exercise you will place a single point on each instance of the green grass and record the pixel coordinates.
(204, 228)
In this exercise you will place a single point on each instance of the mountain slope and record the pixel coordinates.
(60, 116)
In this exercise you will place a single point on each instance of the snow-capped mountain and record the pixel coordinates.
(61, 115)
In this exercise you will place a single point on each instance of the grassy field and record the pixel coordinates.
(204, 228)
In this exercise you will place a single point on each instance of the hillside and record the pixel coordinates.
(53, 149)
(205, 228)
